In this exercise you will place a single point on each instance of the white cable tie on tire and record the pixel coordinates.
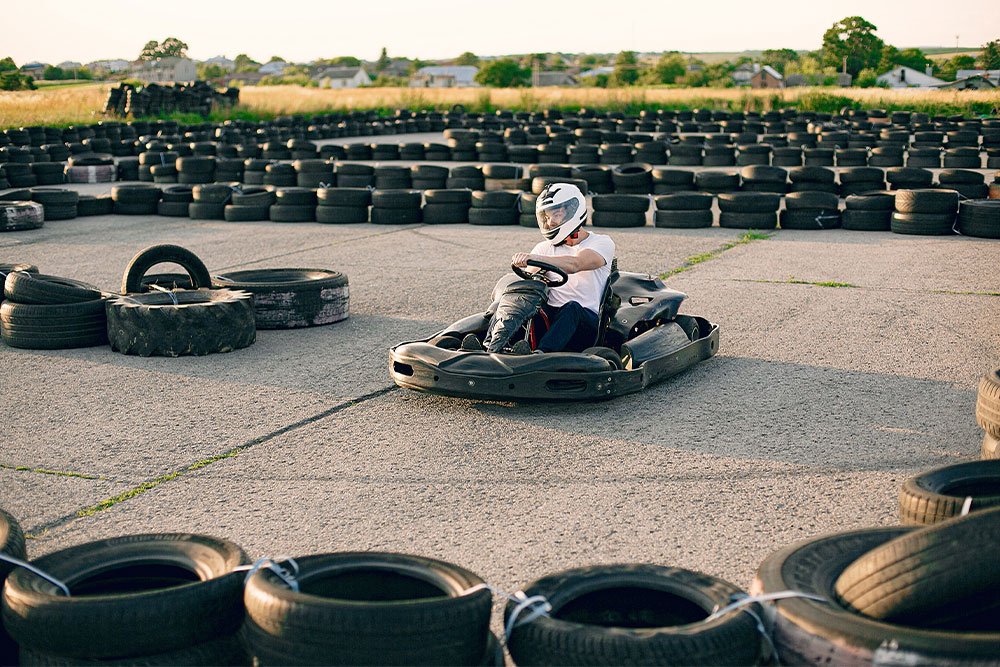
(34, 570)
(272, 564)
(160, 288)
(523, 603)
(966, 506)
(741, 601)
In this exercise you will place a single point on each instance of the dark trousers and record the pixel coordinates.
(572, 328)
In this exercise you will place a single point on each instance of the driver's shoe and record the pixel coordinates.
(471, 343)
(521, 347)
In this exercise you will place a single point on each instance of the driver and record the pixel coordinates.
(572, 309)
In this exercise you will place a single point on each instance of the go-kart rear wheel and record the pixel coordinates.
(607, 353)
(690, 326)
(446, 342)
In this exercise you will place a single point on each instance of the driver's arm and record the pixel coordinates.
(586, 260)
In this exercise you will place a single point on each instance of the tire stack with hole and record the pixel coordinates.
(925, 212)
(43, 312)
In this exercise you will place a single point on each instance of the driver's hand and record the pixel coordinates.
(520, 259)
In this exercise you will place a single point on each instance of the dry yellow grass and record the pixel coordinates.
(64, 106)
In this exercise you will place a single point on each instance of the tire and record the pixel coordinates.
(499, 171)
(749, 220)
(20, 215)
(866, 221)
(401, 199)
(496, 199)
(938, 495)
(90, 205)
(810, 632)
(683, 219)
(224, 651)
(748, 202)
(811, 200)
(951, 176)
(36, 288)
(206, 211)
(811, 175)
(443, 196)
(235, 213)
(292, 213)
(608, 354)
(11, 542)
(291, 298)
(254, 196)
(397, 216)
(369, 608)
(295, 197)
(621, 203)
(924, 201)
(173, 209)
(202, 322)
(991, 448)
(637, 615)
(988, 403)
(445, 213)
(862, 175)
(684, 201)
(633, 177)
(53, 327)
(979, 218)
(762, 174)
(341, 214)
(810, 219)
(166, 253)
(116, 611)
(618, 219)
(716, 181)
(352, 197)
(909, 177)
(941, 576)
(881, 200)
(926, 224)
(493, 216)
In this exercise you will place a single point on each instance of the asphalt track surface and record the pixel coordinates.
(821, 401)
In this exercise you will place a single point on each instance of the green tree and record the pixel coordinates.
(245, 64)
(84, 73)
(892, 57)
(949, 70)
(989, 57)
(210, 71)
(7, 65)
(779, 58)
(626, 69)
(503, 73)
(852, 38)
(170, 48)
(277, 59)
(383, 60)
(13, 80)
(866, 78)
(588, 60)
(467, 58)
(668, 68)
(53, 73)
(415, 65)
(344, 61)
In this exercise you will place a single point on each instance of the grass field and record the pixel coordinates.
(82, 104)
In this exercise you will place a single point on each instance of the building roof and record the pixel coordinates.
(340, 72)
(959, 83)
(597, 70)
(992, 74)
(909, 77)
(555, 79)
(773, 72)
(462, 73)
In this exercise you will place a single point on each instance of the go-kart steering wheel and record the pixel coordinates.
(540, 275)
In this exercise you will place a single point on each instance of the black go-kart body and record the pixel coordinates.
(641, 340)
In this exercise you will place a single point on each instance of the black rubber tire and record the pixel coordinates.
(620, 219)
(90, 205)
(341, 214)
(810, 219)
(399, 198)
(173, 209)
(811, 174)
(979, 218)
(292, 213)
(12, 544)
(621, 203)
(37, 288)
(21, 215)
(941, 576)
(53, 327)
(988, 403)
(349, 197)
(909, 177)
(749, 220)
(501, 171)
(674, 177)
(866, 221)
(991, 448)
(206, 211)
(257, 197)
(880, 200)
(607, 354)
(862, 175)
(296, 197)
(496, 199)
(398, 216)
(748, 202)
(811, 200)
(166, 281)
(234, 213)
(761, 174)
(683, 219)
(203, 322)
(291, 298)
(939, 494)
(445, 214)
(926, 201)
(444, 196)
(49, 197)
(133, 596)
(493, 216)
(926, 224)
(227, 650)
(636, 615)
(950, 176)
(164, 253)
(809, 632)
(716, 181)
(684, 201)
(369, 608)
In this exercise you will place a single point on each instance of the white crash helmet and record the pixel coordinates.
(560, 209)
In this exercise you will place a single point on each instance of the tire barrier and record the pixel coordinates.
(42, 312)
(943, 493)
(153, 99)
(683, 210)
(291, 298)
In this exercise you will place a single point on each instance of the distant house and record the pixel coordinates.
(974, 82)
(275, 68)
(607, 71)
(35, 70)
(447, 76)
(165, 70)
(992, 74)
(343, 77)
(767, 77)
(221, 61)
(108, 66)
(244, 78)
(553, 79)
(907, 77)
(399, 68)
(69, 64)
(744, 73)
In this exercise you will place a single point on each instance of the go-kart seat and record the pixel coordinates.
(609, 306)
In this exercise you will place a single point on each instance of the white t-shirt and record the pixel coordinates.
(584, 287)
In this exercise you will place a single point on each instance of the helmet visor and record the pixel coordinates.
(550, 218)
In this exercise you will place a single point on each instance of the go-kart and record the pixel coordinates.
(641, 340)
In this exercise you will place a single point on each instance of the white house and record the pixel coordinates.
(450, 76)
(745, 72)
(907, 77)
(223, 62)
(111, 66)
(343, 77)
(595, 71)
(165, 70)
(275, 67)
(992, 74)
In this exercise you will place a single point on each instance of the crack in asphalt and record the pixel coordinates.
(57, 473)
(36, 532)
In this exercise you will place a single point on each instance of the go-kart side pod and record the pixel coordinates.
(422, 366)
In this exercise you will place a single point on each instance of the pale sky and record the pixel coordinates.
(58, 30)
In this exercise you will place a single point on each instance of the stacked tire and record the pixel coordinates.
(444, 206)
(293, 204)
(925, 212)
(749, 210)
(57, 203)
(988, 413)
(618, 210)
(812, 179)
(494, 207)
(291, 298)
(195, 169)
(20, 215)
(683, 210)
(811, 210)
(861, 179)
(945, 493)
(138, 199)
(909, 178)
(869, 211)
(396, 207)
(43, 312)
(979, 218)
(968, 184)
(762, 178)
(342, 205)
(209, 201)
